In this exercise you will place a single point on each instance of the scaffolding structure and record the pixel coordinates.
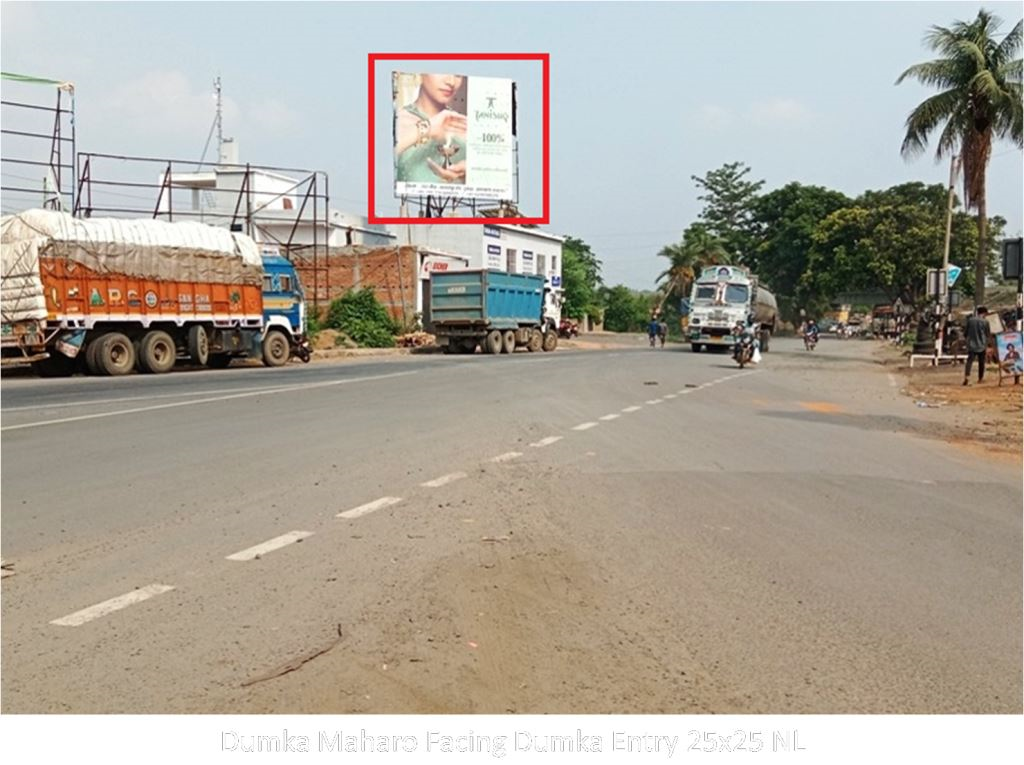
(38, 136)
(292, 214)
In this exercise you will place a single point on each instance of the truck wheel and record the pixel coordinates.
(198, 344)
(58, 365)
(219, 361)
(536, 341)
(275, 349)
(550, 341)
(92, 362)
(492, 344)
(115, 355)
(508, 341)
(157, 352)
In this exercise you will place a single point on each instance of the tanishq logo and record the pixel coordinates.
(490, 113)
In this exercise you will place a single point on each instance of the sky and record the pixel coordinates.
(643, 96)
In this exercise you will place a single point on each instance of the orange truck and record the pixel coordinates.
(109, 296)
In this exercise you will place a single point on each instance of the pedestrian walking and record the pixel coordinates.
(977, 343)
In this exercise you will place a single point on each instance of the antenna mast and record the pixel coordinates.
(219, 118)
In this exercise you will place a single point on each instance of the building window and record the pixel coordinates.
(554, 263)
(542, 265)
(510, 261)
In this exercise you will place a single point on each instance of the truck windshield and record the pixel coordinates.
(722, 293)
(736, 293)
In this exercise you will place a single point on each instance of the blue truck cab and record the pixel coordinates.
(284, 304)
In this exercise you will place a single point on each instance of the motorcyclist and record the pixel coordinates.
(811, 333)
(746, 330)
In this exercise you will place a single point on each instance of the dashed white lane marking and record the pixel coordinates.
(443, 480)
(547, 441)
(369, 507)
(260, 392)
(632, 409)
(586, 426)
(608, 417)
(670, 395)
(271, 545)
(506, 457)
(654, 401)
(109, 606)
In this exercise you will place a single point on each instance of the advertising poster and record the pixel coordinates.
(454, 136)
(1008, 348)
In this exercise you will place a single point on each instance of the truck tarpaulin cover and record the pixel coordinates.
(184, 252)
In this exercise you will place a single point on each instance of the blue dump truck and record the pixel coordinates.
(493, 309)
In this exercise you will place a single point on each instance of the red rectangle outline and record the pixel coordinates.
(545, 60)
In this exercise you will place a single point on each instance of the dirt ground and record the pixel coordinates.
(986, 414)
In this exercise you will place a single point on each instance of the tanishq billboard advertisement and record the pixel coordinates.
(454, 136)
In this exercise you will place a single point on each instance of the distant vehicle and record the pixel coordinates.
(496, 310)
(723, 296)
(568, 329)
(126, 295)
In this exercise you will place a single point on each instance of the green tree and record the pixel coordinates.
(625, 310)
(979, 80)
(728, 201)
(698, 249)
(581, 279)
(887, 240)
(784, 222)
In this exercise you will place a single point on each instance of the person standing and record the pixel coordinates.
(977, 343)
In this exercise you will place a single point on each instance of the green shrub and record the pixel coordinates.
(361, 316)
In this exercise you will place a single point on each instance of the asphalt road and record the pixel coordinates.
(629, 530)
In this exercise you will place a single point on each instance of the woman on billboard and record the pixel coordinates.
(430, 137)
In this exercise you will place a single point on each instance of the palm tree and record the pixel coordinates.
(979, 101)
(698, 249)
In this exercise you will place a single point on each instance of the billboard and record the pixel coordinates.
(454, 136)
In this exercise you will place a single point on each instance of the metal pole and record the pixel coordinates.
(944, 277)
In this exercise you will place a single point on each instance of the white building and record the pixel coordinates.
(277, 204)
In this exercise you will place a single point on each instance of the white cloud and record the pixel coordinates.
(164, 103)
(714, 116)
(785, 112)
(273, 116)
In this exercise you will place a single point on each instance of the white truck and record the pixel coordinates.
(721, 297)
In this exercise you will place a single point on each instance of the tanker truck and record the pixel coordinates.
(723, 296)
(113, 295)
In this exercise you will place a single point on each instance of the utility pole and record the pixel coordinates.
(954, 167)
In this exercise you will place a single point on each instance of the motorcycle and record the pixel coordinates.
(302, 350)
(743, 349)
(810, 340)
(568, 329)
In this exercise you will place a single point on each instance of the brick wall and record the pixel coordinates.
(390, 271)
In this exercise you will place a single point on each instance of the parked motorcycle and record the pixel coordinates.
(569, 329)
(303, 351)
